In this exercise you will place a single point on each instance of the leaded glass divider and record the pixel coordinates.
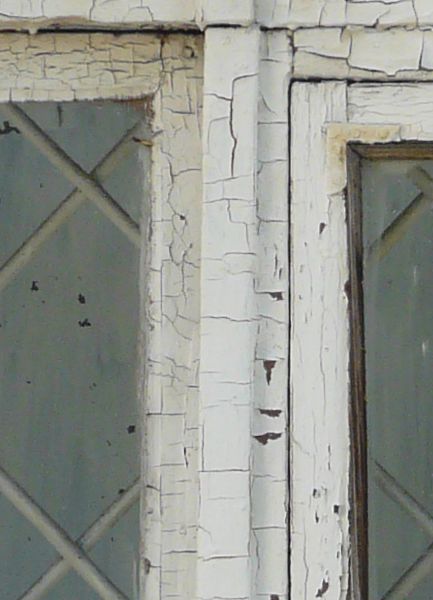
(69, 436)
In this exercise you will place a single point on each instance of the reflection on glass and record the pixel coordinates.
(68, 334)
(398, 304)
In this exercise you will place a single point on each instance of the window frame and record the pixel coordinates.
(166, 71)
(405, 150)
(329, 120)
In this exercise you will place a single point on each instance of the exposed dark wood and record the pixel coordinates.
(357, 413)
(395, 151)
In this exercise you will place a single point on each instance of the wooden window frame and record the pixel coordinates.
(330, 122)
(166, 72)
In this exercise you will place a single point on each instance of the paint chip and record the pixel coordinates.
(264, 438)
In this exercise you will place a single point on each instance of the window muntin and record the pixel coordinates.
(393, 418)
(69, 316)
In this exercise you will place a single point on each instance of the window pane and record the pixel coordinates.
(398, 307)
(68, 335)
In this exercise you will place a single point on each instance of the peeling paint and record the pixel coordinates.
(216, 275)
(269, 412)
(268, 365)
(323, 589)
(264, 438)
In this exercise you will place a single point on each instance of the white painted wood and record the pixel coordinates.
(363, 53)
(172, 297)
(295, 14)
(32, 15)
(409, 105)
(35, 14)
(229, 12)
(77, 67)
(325, 118)
(269, 494)
(390, 51)
(120, 14)
(229, 319)
(319, 353)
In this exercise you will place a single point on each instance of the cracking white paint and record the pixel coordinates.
(217, 263)
(319, 353)
(229, 12)
(229, 319)
(198, 14)
(270, 458)
(173, 303)
(338, 136)
(409, 105)
(341, 53)
(295, 14)
(168, 71)
(325, 118)
(34, 14)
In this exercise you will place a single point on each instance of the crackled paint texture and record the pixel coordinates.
(243, 372)
(295, 14)
(215, 270)
(338, 53)
(37, 14)
(291, 14)
(229, 321)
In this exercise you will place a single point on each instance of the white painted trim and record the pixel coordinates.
(227, 12)
(229, 319)
(34, 15)
(172, 300)
(37, 14)
(341, 53)
(269, 494)
(31, 15)
(325, 118)
(319, 353)
(298, 14)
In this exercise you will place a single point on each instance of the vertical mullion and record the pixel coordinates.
(357, 413)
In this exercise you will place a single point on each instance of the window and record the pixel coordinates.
(73, 190)
(395, 246)
(164, 75)
(360, 458)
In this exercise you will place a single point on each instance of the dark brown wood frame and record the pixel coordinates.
(357, 410)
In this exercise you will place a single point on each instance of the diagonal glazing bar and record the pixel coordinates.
(420, 569)
(424, 564)
(398, 228)
(412, 213)
(95, 532)
(75, 555)
(65, 210)
(400, 496)
(72, 171)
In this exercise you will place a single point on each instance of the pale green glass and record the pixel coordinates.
(68, 344)
(398, 301)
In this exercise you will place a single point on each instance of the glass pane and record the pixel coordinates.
(398, 293)
(68, 335)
